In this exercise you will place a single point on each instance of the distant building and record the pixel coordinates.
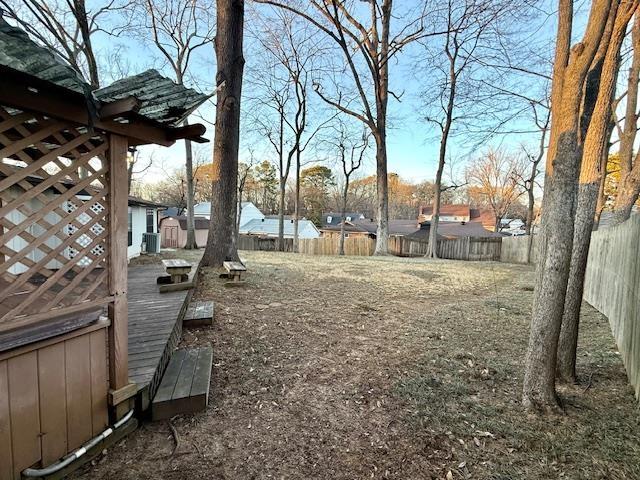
(367, 227)
(249, 212)
(458, 213)
(252, 222)
(332, 218)
(269, 227)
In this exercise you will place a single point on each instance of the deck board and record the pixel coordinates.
(153, 324)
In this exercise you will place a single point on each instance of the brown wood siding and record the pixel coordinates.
(52, 400)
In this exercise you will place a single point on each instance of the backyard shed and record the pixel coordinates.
(64, 373)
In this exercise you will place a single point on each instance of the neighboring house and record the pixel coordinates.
(143, 218)
(173, 231)
(452, 230)
(333, 219)
(268, 227)
(249, 212)
(458, 213)
(368, 228)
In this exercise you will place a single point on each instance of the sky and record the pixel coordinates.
(412, 143)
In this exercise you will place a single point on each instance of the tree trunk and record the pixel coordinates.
(296, 213)
(343, 214)
(230, 63)
(382, 189)
(627, 196)
(559, 203)
(280, 246)
(595, 148)
(191, 225)
(80, 13)
(435, 213)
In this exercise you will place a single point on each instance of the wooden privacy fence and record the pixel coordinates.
(612, 285)
(253, 242)
(465, 248)
(514, 249)
(470, 248)
(357, 246)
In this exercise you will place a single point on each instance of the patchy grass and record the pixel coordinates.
(345, 368)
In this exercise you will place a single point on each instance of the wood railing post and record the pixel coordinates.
(118, 312)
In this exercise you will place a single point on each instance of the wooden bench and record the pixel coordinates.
(234, 270)
(185, 384)
(199, 313)
(178, 269)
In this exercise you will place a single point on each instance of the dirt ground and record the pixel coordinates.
(357, 368)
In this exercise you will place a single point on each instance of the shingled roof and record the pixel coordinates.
(160, 98)
(19, 52)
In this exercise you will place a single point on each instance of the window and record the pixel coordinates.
(130, 229)
(150, 222)
(329, 218)
(346, 235)
(348, 219)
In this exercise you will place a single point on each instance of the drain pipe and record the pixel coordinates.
(55, 467)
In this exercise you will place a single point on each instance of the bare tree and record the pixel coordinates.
(244, 173)
(529, 182)
(494, 177)
(177, 28)
(66, 27)
(571, 66)
(221, 243)
(351, 154)
(458, 98)
(596, 146)
(136, 165)
(373, 40)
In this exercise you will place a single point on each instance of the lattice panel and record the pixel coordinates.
(53, 216)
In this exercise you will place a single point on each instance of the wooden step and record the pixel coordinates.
(200, 313)
(185, 384)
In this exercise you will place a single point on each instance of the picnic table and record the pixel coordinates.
(234, 270)
(177, 268)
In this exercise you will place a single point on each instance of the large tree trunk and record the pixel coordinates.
(221, 244)
(191, 224)
(559, 203)
(605, 73)
(382, 188)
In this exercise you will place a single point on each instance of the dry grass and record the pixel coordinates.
(350, 368)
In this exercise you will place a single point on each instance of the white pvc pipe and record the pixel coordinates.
(59, 465)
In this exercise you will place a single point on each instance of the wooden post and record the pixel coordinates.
(118, 227)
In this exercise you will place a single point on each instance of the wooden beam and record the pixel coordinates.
(190, 132)
(118, 226)
(73, 108)
(119, 107)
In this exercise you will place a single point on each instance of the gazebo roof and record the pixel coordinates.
(147, 99)
(160, 98)
(19, 52)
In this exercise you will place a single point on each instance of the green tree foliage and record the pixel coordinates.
(316, 183)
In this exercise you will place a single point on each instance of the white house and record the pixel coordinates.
(143, 218)
(268, 227)
(249, 212)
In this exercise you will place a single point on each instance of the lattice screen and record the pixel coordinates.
(53, 216)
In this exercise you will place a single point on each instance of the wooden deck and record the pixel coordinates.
(155, 327)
